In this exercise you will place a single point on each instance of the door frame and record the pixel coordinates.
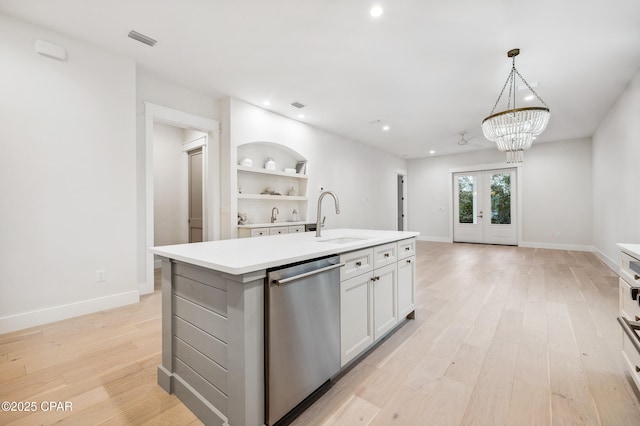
(211, 202)
(484, 168)
(405, 210)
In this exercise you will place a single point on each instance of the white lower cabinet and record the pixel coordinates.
(373, 298)
(406, 287)
(356, 316)
(279, 230)
(385, 306)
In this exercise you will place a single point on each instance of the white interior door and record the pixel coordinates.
(485, 207)
(195, 195)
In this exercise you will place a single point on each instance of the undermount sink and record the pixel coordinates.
(342, 240)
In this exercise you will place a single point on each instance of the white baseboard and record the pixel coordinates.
(435, 239)
(527, 244)
(615, 267)
(555, 246)
(45, 316)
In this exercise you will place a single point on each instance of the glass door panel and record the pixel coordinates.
(467, 200)
(501, 199)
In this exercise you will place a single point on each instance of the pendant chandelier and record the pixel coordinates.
(513, 129)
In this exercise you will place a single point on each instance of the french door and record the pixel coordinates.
(484, 207)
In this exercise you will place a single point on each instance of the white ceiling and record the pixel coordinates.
(427, 69)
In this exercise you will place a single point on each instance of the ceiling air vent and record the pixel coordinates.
(142, 38)
(297, 105)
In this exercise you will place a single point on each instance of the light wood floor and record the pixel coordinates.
(502, 335)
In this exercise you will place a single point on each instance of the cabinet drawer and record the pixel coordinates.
(631, 276)
(279, 230)
(629, 308)
(299, 228)
(259, 232)
(356, 263)
(385, 254)
(406, 248)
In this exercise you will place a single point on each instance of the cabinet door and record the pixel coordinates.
(406, 286)
(385, 305)
(356, 316)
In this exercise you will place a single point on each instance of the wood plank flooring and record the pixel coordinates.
(502, 336)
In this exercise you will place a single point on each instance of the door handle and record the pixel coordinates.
(480, 215)
(629, 328)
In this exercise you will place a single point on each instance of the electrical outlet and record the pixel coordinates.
(101, 275)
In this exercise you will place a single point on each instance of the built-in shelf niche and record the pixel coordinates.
(254, 181)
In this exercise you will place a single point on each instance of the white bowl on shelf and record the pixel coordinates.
(290, 170)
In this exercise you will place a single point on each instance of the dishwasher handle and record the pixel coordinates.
(629, 327)
(307, 274)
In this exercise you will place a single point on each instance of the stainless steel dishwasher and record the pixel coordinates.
(302, 332)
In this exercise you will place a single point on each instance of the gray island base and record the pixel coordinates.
(213, 311)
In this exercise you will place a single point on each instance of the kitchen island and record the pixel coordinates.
(213, 310)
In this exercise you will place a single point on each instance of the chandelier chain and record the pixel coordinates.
(501, 92)
(511, 79)
(530, 88)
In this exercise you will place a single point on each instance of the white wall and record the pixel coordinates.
(556, 193)
(67, 173)
(154, 90)
(616, 175)
(170, 186)
(363, 177)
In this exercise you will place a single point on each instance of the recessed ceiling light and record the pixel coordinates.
(376, 11)
(529, 97)
(432, 152)
(385, 128)
(534, 138)
(300, 115)
(266, 103)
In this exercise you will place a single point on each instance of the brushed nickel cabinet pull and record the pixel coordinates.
(409, 261)
(387, 255)
(407, 248)
(358, 264)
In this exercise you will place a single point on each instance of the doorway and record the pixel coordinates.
(485, 207)
(195, 195)
(401, 202)
(157, 114)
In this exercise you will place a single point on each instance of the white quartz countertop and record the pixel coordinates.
(243, 255)
(631, 249)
